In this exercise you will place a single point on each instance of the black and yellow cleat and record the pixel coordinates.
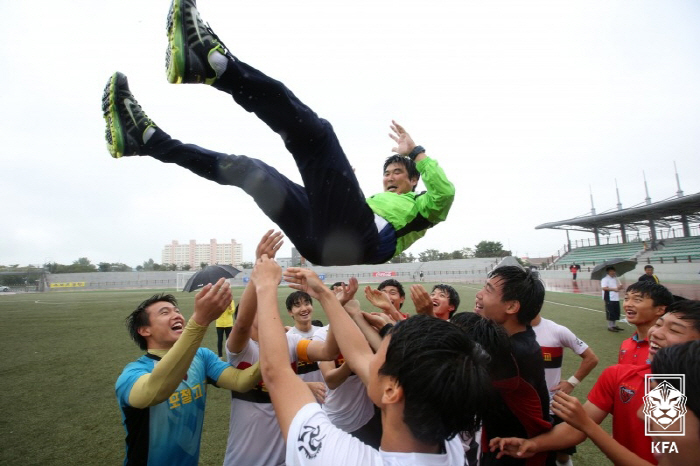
(128, 126)
(190, 42)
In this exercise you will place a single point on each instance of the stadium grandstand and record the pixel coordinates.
(657, 233)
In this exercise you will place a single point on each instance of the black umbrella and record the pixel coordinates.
(210, 274)
(622, 266)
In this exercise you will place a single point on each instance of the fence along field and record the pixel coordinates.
(63, 352)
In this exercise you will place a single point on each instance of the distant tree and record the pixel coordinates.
(186, 267)
(467, 253)
(104, 266)
(80, 266)
(202, 265)
(403, 258)
(490, 249)
(139, 268)
(51, 267)
(429, 255)
(119, 267)
(149, 265)
(249, 265)
(172, 267)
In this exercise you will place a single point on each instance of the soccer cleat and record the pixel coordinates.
(128, 126)
(190, 42)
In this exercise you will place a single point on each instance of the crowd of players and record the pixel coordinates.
(439, 387)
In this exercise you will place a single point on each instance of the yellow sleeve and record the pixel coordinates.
(151, 389)
(240, 380)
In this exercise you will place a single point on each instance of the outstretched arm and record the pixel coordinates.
(353, 345)
(287, 391)
(560, 437)
(436, 202)
(570, 410)
(155, 387)
(242, 328)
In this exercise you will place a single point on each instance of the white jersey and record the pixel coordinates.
(314, 440)
(254, 436)
(610, 282)
(553, 338)
(308, 372)
(348, 406)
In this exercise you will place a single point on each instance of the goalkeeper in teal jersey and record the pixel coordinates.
(327, 218)
(163, 393)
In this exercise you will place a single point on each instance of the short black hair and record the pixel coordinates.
(648, 289)
(689, 310)
(407, 163)
(451, 293)
(139, 317)
(444, 376)
(609, 268)
(395, 283)
(523, 286)
(683, 358)
(334, 285)
(298, 297)
(493, 338)
(649, 266)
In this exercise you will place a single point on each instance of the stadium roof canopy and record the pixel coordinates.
(678, 210)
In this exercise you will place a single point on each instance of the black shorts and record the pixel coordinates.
(612, 310)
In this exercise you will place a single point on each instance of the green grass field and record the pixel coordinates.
(63, 352)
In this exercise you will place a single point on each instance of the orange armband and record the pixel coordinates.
(303, 350)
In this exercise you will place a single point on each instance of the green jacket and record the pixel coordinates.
(412, 214)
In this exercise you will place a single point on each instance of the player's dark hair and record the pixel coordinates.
(443, 374)
(334, 285)
(648, 289)
(523, 286)
(139, 317)
(451, 294)
(609, 268)
(688, 309)
(649, 266)
(682, 359)
(392, 282)
(407, 163)
(493, 338)
(298, 297)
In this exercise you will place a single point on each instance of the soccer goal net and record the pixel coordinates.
(182, 278)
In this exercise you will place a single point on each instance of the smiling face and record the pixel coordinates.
(489, 301)
(396, 179)
(670, 330)
(165, 325)
(640, 309)
(301, 312)
(441, 304)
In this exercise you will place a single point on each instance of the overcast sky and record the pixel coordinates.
(525, 105)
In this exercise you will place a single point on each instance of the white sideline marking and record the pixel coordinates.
(558, 304)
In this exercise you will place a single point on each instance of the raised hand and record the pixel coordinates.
(305, 280)
(345, 293)
(211, 301)
(422, 301)
(266, 272)
(381, 300)
(270, 243)
(403, 140)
